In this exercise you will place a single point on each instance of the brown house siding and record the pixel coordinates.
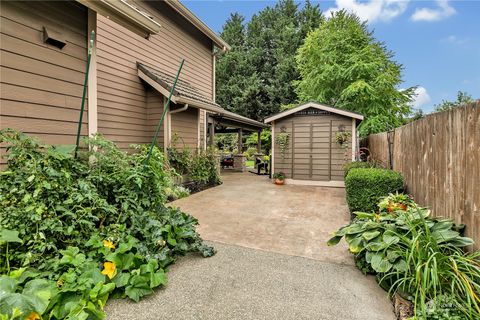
(185, 125)
(41, 85)
(302, 146)
(121, 92)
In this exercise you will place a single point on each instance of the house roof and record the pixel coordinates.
(199, 24)
(185, 93)
(315, 105)
(183, 90)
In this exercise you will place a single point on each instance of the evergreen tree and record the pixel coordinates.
(255, 78)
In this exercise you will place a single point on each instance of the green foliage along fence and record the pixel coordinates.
(439, 157)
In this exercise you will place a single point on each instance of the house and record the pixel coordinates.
(136, 52)
(311, 143)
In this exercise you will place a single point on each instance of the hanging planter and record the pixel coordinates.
(282, 140)
(342, 138)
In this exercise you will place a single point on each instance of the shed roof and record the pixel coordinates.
(315, 105)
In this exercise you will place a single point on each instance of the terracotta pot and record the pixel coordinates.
(279, 182)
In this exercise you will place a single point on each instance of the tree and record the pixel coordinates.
(255, 78)
(341, 64)
(462, 99)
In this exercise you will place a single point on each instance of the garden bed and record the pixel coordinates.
(417, 258)
(75, 231)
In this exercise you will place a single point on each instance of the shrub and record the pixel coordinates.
(74, 231)
(204, 168)
(365, 186)
(355, 164)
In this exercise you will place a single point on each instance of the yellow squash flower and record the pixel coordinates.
(109, 269)
(108, 244)
(33, 316)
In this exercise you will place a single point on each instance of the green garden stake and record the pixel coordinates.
(89, 57)
(165, 110)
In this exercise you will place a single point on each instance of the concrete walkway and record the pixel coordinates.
(248, 210)
(272, 260)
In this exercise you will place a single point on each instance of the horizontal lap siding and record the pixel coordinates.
(122, 96)
(185, 126)
(41, 85)
(311, 147)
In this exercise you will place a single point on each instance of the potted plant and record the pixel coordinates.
(279, 178)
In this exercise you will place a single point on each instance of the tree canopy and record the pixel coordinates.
(256, 77)
(462, 99)
(343, 65)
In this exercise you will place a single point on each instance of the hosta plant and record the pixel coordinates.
(416, 256)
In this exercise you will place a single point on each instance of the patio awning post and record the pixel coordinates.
(259, 141)
(212, 132)
(240, 140)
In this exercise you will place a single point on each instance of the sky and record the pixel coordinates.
(436, 41)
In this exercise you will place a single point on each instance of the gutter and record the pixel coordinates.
(124, 14)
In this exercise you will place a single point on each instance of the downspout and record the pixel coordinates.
(169, 119)
(185, 107)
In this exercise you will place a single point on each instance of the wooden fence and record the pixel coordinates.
(439, 157)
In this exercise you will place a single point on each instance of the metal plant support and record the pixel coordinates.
(165, 110)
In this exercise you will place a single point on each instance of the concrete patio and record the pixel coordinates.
(272, 260)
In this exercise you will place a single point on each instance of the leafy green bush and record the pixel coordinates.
(356, 164)
(204, 168)
(419, 257)
(365, 186)
(74, 231)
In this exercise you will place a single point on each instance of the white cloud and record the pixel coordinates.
(373, 10)
(443, 11)
(455, 40)
(422, 97)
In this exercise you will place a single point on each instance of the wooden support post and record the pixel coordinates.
(212, 133)
(259, 142)
(240, 140)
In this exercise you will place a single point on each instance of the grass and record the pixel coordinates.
(249, 163)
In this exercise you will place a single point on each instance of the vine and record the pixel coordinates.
(282, 140)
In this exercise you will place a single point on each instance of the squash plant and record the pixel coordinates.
(51, 203)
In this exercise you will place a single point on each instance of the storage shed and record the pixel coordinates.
(312, 142)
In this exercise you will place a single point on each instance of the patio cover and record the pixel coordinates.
(185, 93)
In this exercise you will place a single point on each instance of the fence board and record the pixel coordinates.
(439, 157)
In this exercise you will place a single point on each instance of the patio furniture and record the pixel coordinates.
(227, 161)
(261, 165)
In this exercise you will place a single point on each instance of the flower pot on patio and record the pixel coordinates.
(279, 178)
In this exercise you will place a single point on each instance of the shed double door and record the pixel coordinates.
(315, 156)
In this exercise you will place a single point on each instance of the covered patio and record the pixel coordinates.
(229, 122)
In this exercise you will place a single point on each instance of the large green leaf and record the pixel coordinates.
(380, 263)
(355, 245)
(9, 236)
(390, 239)
(8, 284)
(43, 290)
(334, 240)
(369, 235)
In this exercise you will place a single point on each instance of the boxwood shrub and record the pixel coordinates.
(356, 164)
(365, 186)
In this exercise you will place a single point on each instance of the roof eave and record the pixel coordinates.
(199, 24)
(314, 105)
(124, 14)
